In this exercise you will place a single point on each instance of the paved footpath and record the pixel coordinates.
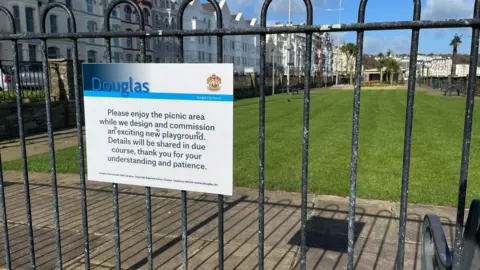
(38, 144)
(377, 226)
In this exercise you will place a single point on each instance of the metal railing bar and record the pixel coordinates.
(408, 138)
(328, 28)
(221, 231)
(220, 203)
(51, 139)
(467, 135)
(108, 44)
(23, 148)
(355, 130)
(80, 150)
(305, 144)
(184, 230)
(51, 144)
(6, 242)
(261, 140)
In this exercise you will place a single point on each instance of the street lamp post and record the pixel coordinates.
(289, 46)
(339, 9)
(273, 72)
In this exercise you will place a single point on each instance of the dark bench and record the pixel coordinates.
(435, 251)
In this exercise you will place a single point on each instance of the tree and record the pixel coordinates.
(389, 53)
(350, 50)
(381, 64)
(456, 41)
(393, 67)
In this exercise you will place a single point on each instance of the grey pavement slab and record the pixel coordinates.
(376, 228)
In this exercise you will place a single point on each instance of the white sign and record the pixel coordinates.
(160, 125)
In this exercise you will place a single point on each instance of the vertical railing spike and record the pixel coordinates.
(412, 75)
(355, 130)
(467, 135)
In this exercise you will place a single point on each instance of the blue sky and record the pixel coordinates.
(431, 41)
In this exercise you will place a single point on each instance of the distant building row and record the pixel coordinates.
(242, 51)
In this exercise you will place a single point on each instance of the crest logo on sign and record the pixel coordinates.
(214, 83)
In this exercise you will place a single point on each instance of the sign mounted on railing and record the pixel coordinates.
(160, 125)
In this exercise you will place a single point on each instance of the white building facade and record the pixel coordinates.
(242, 51)
(89, 18)
(288, 53)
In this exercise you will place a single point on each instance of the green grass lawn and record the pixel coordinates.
(436, 146)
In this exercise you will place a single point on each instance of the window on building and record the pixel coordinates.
(232, 45)
(116, 57)
(114, 13)
(167, 4)
(32, 53)
(209, 57)
(129, 41)
(116, 28)
(128, 58)
(16, 16)
(137, 18)
(69, 25)
(53, 24)
(174, 24)
(69, 53)
(162, 3)
(199, 56)
(128, 13)
(20, 52)
(167, 24)
(29, 19)
(146, 15)
(68, 3)
(90, 6)
(53, 52)
(91, 26)
(147, 44)
(209, 41)
(92, 56)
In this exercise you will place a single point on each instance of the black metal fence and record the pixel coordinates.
(308, 29)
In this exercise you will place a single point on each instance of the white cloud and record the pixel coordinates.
(278, 7)
(447, 9)
(398, 44)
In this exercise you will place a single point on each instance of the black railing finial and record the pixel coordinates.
(11, 19)
(266, 4)
(51, 6)
(114, 4)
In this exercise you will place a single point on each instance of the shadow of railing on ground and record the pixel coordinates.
(326, 230)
